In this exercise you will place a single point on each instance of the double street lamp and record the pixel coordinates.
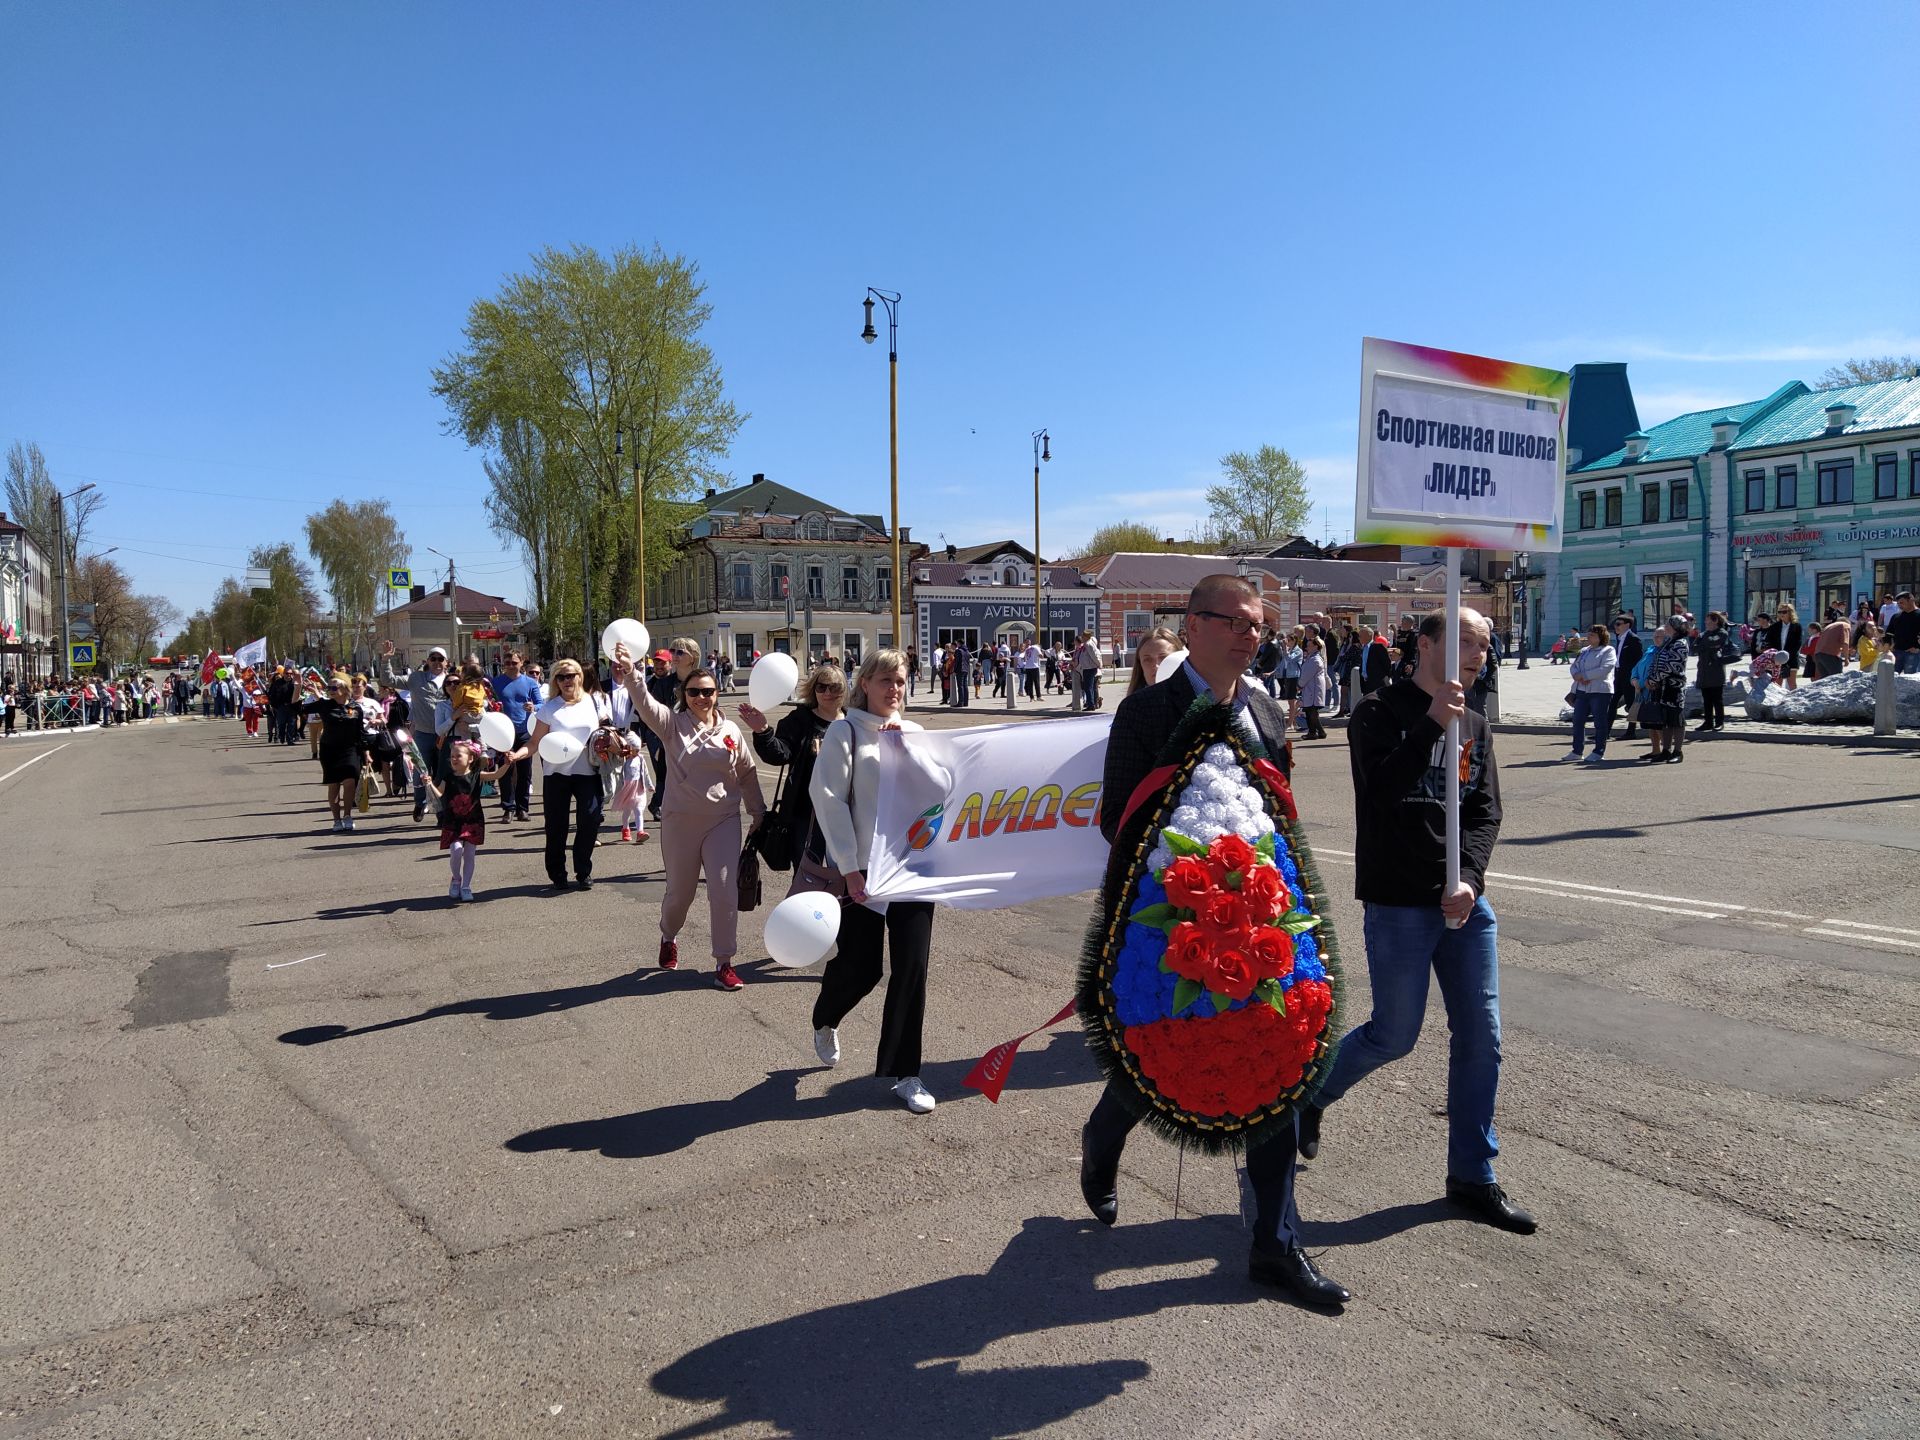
(891, 299)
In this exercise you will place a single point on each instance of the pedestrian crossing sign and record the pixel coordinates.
(80, 655)
(399, 579)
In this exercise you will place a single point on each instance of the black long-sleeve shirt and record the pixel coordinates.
(1399, 757)
(794, 741)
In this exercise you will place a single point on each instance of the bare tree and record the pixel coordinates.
(33, 494)
(1865, 372)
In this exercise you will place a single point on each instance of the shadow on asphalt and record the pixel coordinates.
(892, 1366)
(1626, 833)
(521, 1006)
(647, 1134)
(1380, 1225)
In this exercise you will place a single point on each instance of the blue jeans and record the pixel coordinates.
(1597, 708)
(1906, 662)
(1404, 942)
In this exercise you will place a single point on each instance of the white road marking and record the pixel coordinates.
(1857, 938)
(1863, 925)
(1726, 906)
(35, 761)
(1614, 900)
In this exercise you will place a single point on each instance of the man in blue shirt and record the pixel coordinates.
(519, 696)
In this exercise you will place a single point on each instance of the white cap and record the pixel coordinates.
(436, 650)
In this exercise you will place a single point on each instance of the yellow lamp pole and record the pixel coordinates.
(891, 300)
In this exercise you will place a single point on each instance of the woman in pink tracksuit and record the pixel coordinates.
(709, 773)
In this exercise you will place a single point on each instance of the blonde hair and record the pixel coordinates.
(828, 674)
(876, 662)
(1139, 680)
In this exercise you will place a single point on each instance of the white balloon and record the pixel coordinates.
(558, 748)
(496, 731)
(1170, 666)
(802, 928)
(771, 681)
(632, 632)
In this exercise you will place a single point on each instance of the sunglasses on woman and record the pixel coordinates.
(704, 692)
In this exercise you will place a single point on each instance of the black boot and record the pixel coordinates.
(1293, 1272)
(1099, 1182)
(1310, 1131)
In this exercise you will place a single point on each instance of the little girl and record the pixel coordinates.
(463, 820)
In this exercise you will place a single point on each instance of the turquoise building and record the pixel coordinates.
(1807, 496)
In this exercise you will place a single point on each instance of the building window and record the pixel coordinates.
(1886, 477)
(1913, 473)
(1757, 490)
(1832, 589)
(1615, 503)
(777, 579)
(1599, 601)
(816, 528)
(816, 646)
(816, 582)
(743, 649)
(1786, 487)
(850, 653)
(1677, 500)
(1134, 625)
(1835, 481)
(743, 580)
(1649, 504)
(850, 582)
(1661, 594)
(883, 588)
(1890, 577)
(1768, 588)
(886, 640)
(1589, 510)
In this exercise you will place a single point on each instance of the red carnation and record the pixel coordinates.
(1187, 882)
(1265, 893)
(1232, 1064)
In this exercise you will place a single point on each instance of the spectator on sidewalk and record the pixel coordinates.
(1593, 696)
(1627, 650)
(1903, 634)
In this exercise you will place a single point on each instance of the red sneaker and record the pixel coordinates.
(626, 834)
(669, 955)
(728, 978)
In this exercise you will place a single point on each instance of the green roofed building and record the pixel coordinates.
(1810, 497)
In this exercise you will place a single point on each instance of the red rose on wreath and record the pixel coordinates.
(1223, 911)
(1187, 951)
(1187, 882)
(1272, 952)
(1232, 971)
(1265, 893)
(1232, 853)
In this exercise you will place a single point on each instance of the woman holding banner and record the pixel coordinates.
(844, 790)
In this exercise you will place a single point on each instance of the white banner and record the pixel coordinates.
(254, 654)
(1019, 820)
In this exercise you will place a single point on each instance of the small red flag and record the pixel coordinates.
(990, 1072)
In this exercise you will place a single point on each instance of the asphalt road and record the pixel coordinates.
(295, 1148)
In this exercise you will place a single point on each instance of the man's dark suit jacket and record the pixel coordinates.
(1141, 727)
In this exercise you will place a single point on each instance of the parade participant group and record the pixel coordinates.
(1210, 980)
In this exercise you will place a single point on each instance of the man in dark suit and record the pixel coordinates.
(1222, 633)
(1630, 650)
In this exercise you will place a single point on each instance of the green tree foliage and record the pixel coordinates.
(282, 612)
(1261, 496)
(1129, 535)
(578, 377)
(1863, 372)
(355, 543)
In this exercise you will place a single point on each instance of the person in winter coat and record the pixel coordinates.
(1313, 684)
(1716, 648)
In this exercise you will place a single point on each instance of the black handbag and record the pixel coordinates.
(774, 838)
(749, 876)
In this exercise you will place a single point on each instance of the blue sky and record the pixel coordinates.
(238, 237)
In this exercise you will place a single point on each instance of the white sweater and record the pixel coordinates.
(848, 765)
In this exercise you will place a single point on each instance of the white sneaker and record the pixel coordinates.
(1570, 755)
(453, 891)
(336, 824)
(347, 824)
(465, 893)
(826, 1044)
(914, 1095)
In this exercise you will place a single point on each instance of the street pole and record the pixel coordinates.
(891, 299)
(60, 546)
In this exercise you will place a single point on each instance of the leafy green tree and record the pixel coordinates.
(1130, 535)
(1261, 496)
(581, 376)
(283, 612)
(1864, 372)
(355, 543)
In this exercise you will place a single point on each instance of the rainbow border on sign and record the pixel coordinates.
(1427, 363)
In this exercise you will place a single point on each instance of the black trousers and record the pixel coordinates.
(1713, 704)
(656, 752)
(583, 791)
(1622, 700)
(516, 786)
(907, 930)
(1270, 1167)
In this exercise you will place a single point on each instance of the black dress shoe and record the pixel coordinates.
(1293, 1272)
(1310, 1131)
(1099, 1183)
(1676, 757)
(1490, 1203)
(585, 882)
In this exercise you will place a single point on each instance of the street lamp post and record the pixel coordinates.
(453, 611)
(1040, 452)
(639, 531)
(891, 299)
(1521, 562)
(60, 548)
